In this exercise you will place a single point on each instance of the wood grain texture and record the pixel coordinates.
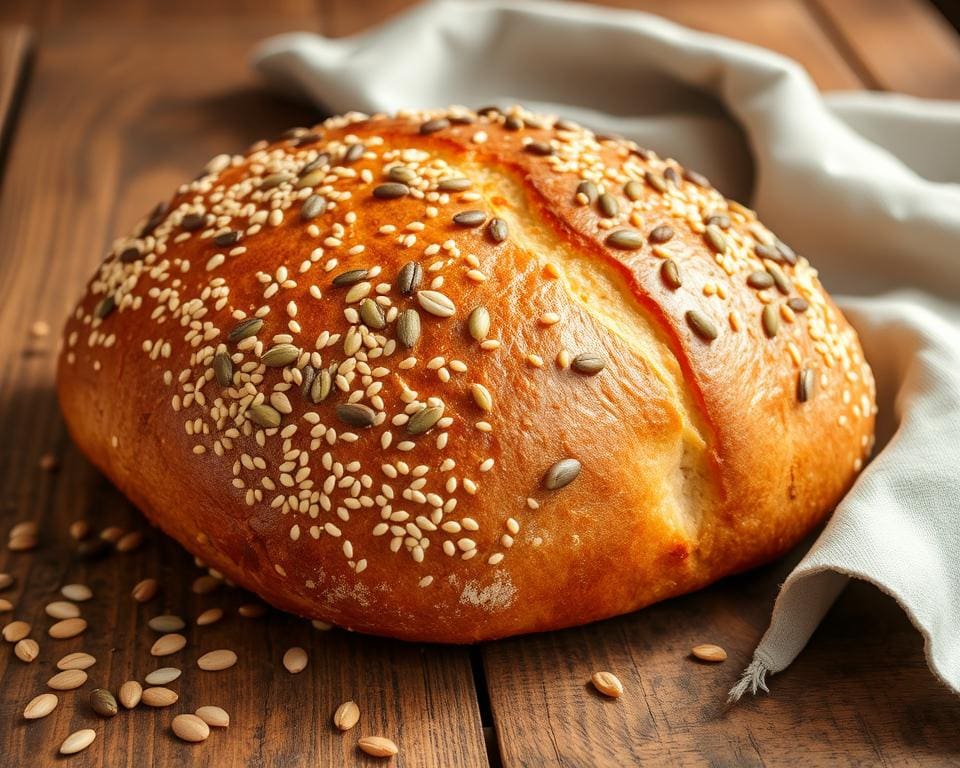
(139, 121)
(15, 46)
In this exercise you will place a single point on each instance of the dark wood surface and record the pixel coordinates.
(124, 101)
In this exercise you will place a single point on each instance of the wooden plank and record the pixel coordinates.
(901, 45)
(860, 694)
(15, 42)
(785, 26)
(142, 117)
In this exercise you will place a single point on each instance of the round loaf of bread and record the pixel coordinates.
(451, 376)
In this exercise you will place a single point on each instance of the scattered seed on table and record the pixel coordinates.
(103, 702)
(346, 716)
(62, 609)
(40, 706)
(130, 541)
(76, 660)
(215, 717)
(158, 697)
(67, 680)
(204, 585)
(67, 628)
(27, 649)
(79, 593)
(78, 741)
(295, 660)
(218, 660)
(168, 644)
(6, 581)
(708, 652)
(145, 590)
(377, 746)
(209, 616)
(166, 623)
(162, 676)
(130, 694)
(15, 631)
(5, 605)
(190, 728)
(608, 684)
(79, 530)
(252, 610)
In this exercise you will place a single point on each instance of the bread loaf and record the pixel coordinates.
(452, 376)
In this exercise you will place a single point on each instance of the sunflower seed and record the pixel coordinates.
(391, 191)
(716, 238)
(103, 702)
(79, 593)
(454, 185)
(661, 234)
(787, 253)
(670, 273)
(26, 650)
(759, 279)
(61, 609)
(588, 363)
(78, 741)
(166, 623)
(625, 239)
(168, 644)
(780, 279)
(310, 179)
(655, 181)
(215, 717)
(561, 474)
(130, 693)
(798, 304)
(40, 706)
(436, 303)
(280, 355)
(497, 229)
(353, 153)
(696, 178)
(218, 660)
(589, 190)
(276, 179)
(770, 319)
(708, 652)
(425, 419)
(372, 315)
(767, 252)
(130, 255)
(513, 123)
(719, 220)
(633, 190)
(402, 174)
(226, 239)
(209, 616)
(193, 221)
(76, 660)
(701, 325)
(244, 329)
(377, 746)
(67, 680)
(482, 397)
(105, 307)
(346, 716)
(321, 386)
(356, 414)
(223, 368)
(156, 697)
(608, 205)
(313, 206)
(806, 382)
(350, 277)
(470, 218)
(541, 148)
(478, 323)
(295, 660)
(67, 628)
(409, 277)
(408, 328)
(432, 126)
(608, 684)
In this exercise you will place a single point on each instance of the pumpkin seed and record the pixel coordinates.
(478, 323)
(608, 684)
(79, 593)
(245, 329)
(321, 386)
(767, 252)
(670, 273)
(661, 234)
(588, 363)
(67, 628)
(470, 218)
(103, 702)
(709, 652)
(157, 697)
(280, 355)
(391, 191)
(77, 660)
(353, 153)
(716, 238)
(589, 190)
(787, 253)
(432, 126)
(78, 741)
(770, 319)
(805, 385)
(633, 190)
(218, 660)
(130, 694)
(408, 328)
(377, 746)
(497, 228)
(798, 304)
(401, 173)
(310, 179)
(561, 474)
(625, 239)
(295, 660)
(346, 716)
(701, 325)
(168, 644)
(608, 205)
(162, 676)
(454, 185)
(223, 368)
(356, 414)
(425, 419)
(372, 315)
(350, 277)
(759, 279)
(436, 303)
(67, 680)
(40, 706)
(190, 728)
(313, 206)
(482, 397)
(780, 279)
(26, 650)
(409, 277)
(215, 717)
(655, 181)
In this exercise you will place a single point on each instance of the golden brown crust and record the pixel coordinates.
(698, 457)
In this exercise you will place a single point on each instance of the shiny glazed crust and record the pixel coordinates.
(731, 410)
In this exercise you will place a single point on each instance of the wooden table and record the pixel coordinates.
(115, 107)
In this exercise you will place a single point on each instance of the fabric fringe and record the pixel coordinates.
(754, 677)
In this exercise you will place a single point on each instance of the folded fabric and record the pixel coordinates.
(865, 184)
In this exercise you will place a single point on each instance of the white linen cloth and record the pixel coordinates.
(864, 184)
